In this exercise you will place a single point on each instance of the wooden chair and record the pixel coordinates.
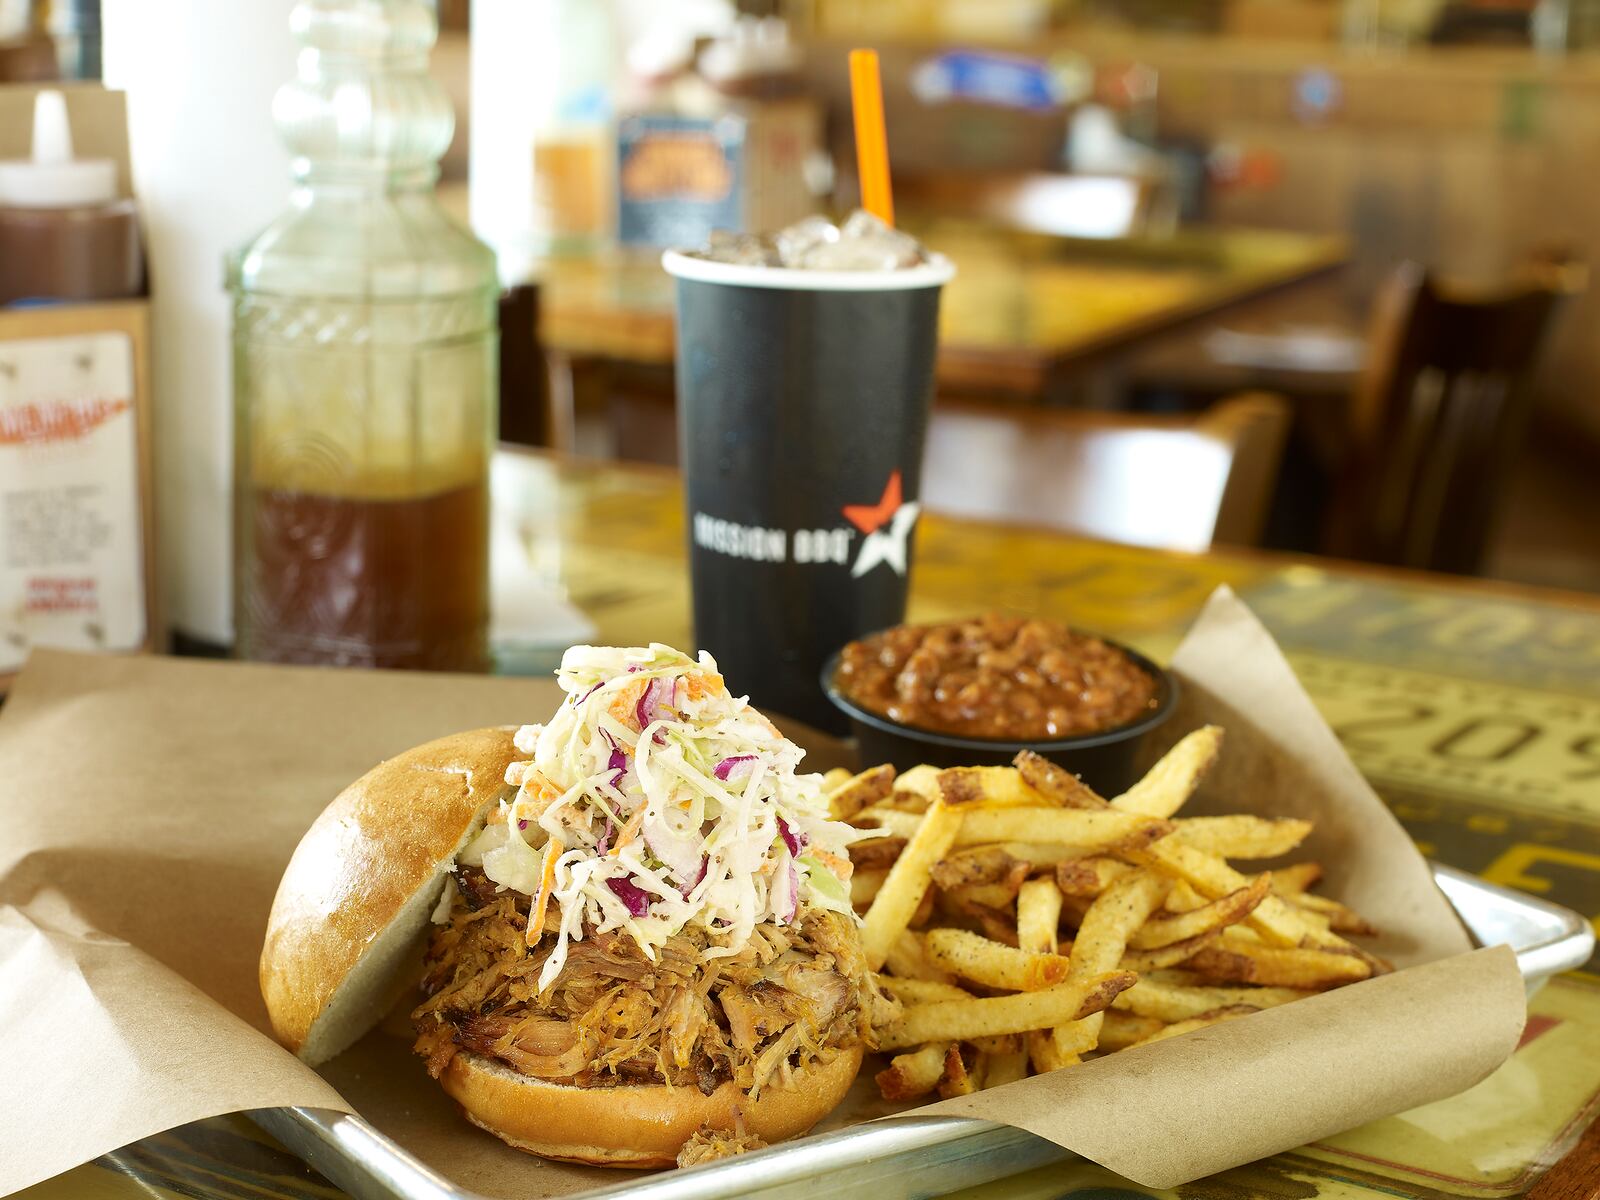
(1172, 482)
(1439, 413)
(524, 383)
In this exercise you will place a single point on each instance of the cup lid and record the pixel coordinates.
(938, 270)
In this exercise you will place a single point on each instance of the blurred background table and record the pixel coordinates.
(1030, 317)
(1473, 708)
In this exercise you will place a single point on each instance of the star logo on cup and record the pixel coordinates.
(886, 525)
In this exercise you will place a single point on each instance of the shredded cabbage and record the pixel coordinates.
(673, 803)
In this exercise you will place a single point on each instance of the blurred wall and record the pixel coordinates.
(1462, 159)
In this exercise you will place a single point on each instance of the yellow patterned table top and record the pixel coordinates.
(1475, 711)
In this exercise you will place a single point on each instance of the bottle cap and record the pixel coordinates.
(52, 178)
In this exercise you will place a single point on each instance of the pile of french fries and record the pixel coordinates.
(1025, 923)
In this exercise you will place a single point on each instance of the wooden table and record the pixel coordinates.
(1473, 708)
(1027, 317)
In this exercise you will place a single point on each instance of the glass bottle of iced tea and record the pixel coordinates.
(364, 368)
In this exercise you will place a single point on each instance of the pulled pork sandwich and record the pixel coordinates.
(642, 936)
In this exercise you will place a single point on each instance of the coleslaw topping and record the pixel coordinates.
(655, 799)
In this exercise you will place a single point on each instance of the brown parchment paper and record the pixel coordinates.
(148, 806)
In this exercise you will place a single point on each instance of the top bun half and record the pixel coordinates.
(355, 901)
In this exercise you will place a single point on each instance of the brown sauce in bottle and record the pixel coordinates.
(367, 581)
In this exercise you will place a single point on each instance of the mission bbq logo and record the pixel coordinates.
(884, 530)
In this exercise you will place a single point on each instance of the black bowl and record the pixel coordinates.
(1106, 761)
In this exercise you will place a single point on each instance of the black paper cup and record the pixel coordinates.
(802, 410)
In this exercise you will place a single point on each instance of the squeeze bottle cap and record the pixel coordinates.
(52, 178)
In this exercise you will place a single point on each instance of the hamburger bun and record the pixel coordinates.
(343, 946)
(353, 907)
(635, 1126)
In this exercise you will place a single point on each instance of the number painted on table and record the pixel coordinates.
(1465, 743)
(1406, 716)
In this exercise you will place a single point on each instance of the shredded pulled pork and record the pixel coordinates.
(708, 1144)
(795, 994)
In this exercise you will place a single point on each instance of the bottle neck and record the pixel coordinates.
(362, 178)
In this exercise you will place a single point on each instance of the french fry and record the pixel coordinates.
(1235, 960)
(989, 895)
(952, 1020)
(1171, 782)
(1123, 1029)
(1228, 910)
(1113, 919)
(1340, 918)
(980, 865)
(1057, 784)
(1215, 1017)
(1103, 937)
(957, 1080)
(993, 964)
(1183, 898)
(1050, 924)
(903, 891)
(1178, 1002)
(1089, 876)
(1046, 1056)
(1311, 916)
(1295, 878)
(1178, 976)
(861, 791)
(922, 991)
(1242, 836)
(834, 778)
(992, 787)
(908, 959)
(892, 822)
(1001, 1069)
(865, 885)
(1274, 920)
(1101, 830)
(1170, 1002)
(997, 925)
(1167, 956)
(1038, 916)
(874, 853)
(1073, 908)
(911, 1075)
(917, 788)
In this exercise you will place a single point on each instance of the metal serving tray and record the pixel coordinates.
(886, 1160)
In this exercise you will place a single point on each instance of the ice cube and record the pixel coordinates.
(876, 245)
(741, 249)
(862, 243)
(796, 242)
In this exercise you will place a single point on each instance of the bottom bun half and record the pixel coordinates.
(635, 1126)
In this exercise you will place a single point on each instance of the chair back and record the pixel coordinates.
(1173, 482)
(524, 400)
(1439, 414)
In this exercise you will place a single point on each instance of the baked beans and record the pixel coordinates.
(996, 676)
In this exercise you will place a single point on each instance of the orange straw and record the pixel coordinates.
(872, 143)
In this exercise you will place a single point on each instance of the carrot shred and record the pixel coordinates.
(700, 683)
(629, 831)
(547, 881)
(624, 705)
(842, 867)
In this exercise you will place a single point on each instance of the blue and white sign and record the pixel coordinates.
(984, 77)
